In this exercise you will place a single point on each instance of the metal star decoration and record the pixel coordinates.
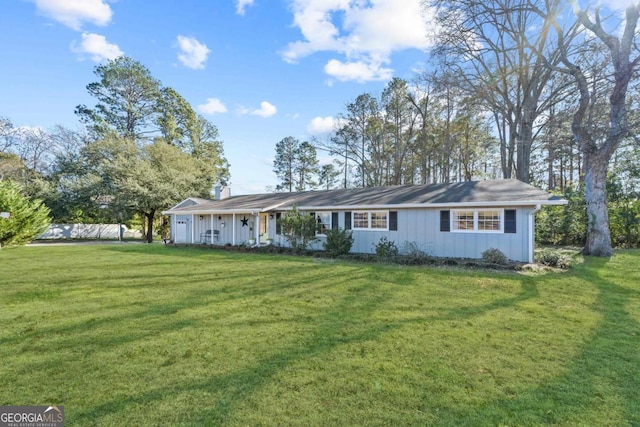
(245, 221)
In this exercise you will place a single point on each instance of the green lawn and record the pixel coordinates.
(125, 335)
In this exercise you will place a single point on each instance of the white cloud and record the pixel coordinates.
(320, 125)
(365, 32)
(241, 6)
(266, 110)
(361, 71)
(96, 47)
(212, 106)
(193, 54)
(73, 13)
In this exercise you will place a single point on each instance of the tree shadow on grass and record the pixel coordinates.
(236, 386)
(602, 380)
(349, 320)
(106, 331)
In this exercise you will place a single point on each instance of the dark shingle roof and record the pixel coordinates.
(490, 192)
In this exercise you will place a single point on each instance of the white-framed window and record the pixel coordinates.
(323, 223)
(477, 220)
(463, 221)
(370, 220)
(380, 220)
(361, 220)
(490, 220)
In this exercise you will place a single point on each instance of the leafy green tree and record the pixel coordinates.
(151, 149)
(295, 165)
(306, 166)
(165, 176)
(358, 140)
(623, 195)
(29, 218)
(299, 228)
(12, 167)
(119, 178)
(208, 148)
(128, 100)
(284, 163)
(564, 225)
(400, 128)
(178, 122)
(328, 176)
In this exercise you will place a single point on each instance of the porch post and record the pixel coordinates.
(193, 229)
(233, 230)
(256, 232)
(211, 241)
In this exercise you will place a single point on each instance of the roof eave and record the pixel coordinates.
(434, 205)
(280, 206)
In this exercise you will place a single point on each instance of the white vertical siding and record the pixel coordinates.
(419, 226)
(422, 227)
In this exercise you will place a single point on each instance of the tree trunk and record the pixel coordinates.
(149, 217)
(598, 236)
(524, 142)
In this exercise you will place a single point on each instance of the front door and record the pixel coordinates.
(264, 228)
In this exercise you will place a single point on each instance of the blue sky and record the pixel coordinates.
(260, 70)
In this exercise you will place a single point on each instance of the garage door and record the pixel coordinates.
(181, 231)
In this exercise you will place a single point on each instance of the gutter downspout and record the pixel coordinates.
(532, 233)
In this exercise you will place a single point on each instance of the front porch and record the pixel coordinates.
(242, 228)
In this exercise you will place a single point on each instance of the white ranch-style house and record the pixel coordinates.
(445, 220)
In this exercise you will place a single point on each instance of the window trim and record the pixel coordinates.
(475, 229)
(369, 219)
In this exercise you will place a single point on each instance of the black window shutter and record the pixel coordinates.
(347, 220)
(334, 220)
(509, 220)
(445, 222)
(278, 224)
(393, 220)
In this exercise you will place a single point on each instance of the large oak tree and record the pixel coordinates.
(598, 136)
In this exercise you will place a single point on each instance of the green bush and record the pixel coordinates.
(386, 248)
(494, 256)
(564, 225)
(553, 258)
(339, 242)
(299, 228)
(29, 218)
